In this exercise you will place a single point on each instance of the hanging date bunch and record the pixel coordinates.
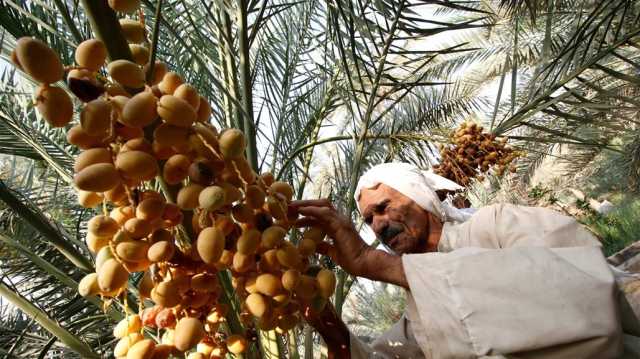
(133, 133)
(473, 153)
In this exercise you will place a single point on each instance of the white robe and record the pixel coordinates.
(512, 281)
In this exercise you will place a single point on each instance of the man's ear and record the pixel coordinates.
(434, 226)
(429, 219)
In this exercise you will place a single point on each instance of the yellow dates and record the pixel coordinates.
(188, 333)
(161, 251)
(150, 209)
(326, 282)
(89, 199)
(54, 104)
(212, 198)
(131, 130)
(143, 349)
(137, 165)
(170, 82)
(139, 53)
(236, 344)
(126, 326)
(112, 276)
(91, 54)
(125, 6)
(204, 110)
(166, 294)
(102, 226)
(232, 143)
(189, 94)
(256, 304)
(290, 279)
(268, 284)
(188, 196)
(132, 30)
(282, 188)
(78, 137)
(176, 111)
(95, 118)
(289, 257)
(210, 245)
(38, 60)
(99, 177)
(126, 73)
(140, 110)
(90, 157)
(176, 169)
(272, 237)
(88, 285)
(132, 251)
(248, 242)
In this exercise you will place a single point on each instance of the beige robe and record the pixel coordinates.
(515, 282)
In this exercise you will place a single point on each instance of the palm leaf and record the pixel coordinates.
(592, 42)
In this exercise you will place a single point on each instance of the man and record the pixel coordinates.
(506, 281)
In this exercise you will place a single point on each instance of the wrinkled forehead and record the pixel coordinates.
(378, 194)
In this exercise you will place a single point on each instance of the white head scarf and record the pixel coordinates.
(420, 186)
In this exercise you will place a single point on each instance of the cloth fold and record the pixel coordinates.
(518, 282)
(536, 305)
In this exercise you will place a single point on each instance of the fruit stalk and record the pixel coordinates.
(105, 25)
(154, 41)
(245, 77)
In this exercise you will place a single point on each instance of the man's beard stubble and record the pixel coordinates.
(395, 229)
(391, 231)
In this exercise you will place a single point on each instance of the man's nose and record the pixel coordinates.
(380, 225)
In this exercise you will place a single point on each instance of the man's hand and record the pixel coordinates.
(349, 250)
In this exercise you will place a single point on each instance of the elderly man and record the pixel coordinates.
(506, 281)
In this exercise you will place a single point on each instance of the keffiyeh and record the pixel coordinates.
(419, 185)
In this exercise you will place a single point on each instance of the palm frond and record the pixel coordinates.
(608, 28)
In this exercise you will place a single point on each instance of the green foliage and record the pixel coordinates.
(33, 238)
(542, 194)
(614, 172)
(373, 308)
(538, 192)
(618, 228)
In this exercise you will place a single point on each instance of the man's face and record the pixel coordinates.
(397, 220)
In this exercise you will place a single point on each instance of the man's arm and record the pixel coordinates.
(356, 257)
(349, 250)
(385, 267)
(332, 329)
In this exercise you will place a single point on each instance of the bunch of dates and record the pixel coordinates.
(215, 215)
(472, 153)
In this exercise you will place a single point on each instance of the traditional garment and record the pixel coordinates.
(517, 282)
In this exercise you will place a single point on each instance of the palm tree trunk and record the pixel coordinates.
(245, 78)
